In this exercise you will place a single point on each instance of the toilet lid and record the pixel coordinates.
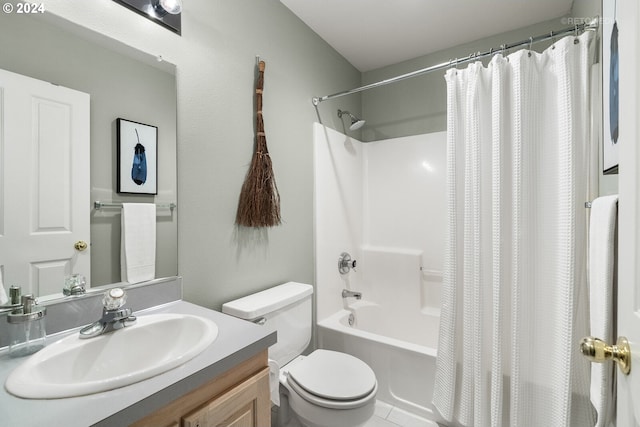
(333, 375)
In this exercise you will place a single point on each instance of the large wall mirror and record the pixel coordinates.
(121, 83)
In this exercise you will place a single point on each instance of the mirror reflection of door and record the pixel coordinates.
(44, 183)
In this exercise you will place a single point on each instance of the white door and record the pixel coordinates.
(44, 183)
(628, 13)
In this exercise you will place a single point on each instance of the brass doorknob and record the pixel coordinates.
(598, 351)
(80, 245)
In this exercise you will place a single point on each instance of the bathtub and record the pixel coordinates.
(400, 350)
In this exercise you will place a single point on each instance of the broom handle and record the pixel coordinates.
(261, 141)
(260, 86)
(260, 82)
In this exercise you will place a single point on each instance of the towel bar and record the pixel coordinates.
(98, 205)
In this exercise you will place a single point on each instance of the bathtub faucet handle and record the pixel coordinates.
(345, 263)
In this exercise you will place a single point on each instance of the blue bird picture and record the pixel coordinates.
(139, 167)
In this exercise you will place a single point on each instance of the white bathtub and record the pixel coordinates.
(404, 365)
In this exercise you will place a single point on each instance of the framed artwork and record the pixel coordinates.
(137, 157)
(610, 85)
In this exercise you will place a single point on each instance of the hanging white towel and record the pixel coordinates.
(274, 381)
(602, 277)
(138, 242)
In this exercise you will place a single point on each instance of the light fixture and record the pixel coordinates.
(356, 123)
(162, 7)
(167, 13)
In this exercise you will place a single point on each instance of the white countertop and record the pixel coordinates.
(237, 341)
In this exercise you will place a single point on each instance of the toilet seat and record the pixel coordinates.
(333, 380)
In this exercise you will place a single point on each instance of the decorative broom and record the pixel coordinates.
(259, 203)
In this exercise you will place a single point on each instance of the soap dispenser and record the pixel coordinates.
(26, 328)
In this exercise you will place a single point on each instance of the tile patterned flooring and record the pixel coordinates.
(390, 416)
(385, 416)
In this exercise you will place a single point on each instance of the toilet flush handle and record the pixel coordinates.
(260, 321)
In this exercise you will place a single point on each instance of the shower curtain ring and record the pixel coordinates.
(530, 43)
(453, 65)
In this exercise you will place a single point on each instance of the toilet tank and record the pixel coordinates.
(284, 308)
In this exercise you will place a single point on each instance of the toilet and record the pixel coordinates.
(325, 388)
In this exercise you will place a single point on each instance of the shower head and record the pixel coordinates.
(356, 123)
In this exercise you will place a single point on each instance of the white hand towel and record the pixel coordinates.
(274, 381)
(602, 277)
(138, 242)
(3, 293)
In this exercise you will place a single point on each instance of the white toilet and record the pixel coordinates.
(325, 388)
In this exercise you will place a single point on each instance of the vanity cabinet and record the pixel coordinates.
(238, 398)
(238, 407)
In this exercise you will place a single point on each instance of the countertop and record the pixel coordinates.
(237, 341)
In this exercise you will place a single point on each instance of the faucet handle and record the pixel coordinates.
(114, 299)
(345, 263)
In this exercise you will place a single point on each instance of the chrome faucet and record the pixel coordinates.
(347, 293)
(114, 317)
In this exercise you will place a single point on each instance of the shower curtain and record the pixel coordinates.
(514, 294)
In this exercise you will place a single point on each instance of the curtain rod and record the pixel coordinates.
(589, 24)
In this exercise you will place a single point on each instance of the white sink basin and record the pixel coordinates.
(75, 367)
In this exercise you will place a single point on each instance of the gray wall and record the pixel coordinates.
(418, 105)
(119, 86)
(215, 59)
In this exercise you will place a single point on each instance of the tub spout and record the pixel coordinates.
(347, 293)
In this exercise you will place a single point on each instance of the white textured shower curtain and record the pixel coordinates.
(514, 297)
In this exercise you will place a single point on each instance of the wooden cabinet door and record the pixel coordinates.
(246, 405)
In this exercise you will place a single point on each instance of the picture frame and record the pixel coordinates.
(137, 157)
(610, 88)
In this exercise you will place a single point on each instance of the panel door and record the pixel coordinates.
(44, 183)
(628, 15)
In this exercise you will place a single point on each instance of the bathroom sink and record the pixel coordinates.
(75, 367)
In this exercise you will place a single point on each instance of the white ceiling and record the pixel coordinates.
(374, 33)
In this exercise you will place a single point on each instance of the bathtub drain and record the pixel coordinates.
(352, 319)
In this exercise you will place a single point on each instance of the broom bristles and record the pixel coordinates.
(259, 203)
